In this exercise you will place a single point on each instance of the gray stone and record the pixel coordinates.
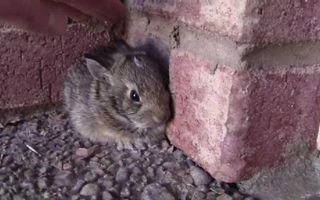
(224, 197)
(150, 172)
(75, 197)
(18, 197)
(42, 183)
(187, 179)
(211, 196)
(178, 155)
(122, 174)
(90, 176)
(76, 188)
(2, 191)
(237, 196)
(106, 196)
(200, 177)
(155, 191)
(82, 152)
(164, 145)
(125, 192)
(46, 195)
(197, 195)
(64, 178)
(107, 183)
(90, 189)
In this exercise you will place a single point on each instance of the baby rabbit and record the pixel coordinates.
(116, 93)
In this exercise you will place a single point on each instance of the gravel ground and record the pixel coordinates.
(42, 157)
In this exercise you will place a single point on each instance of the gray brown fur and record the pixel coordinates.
(97, 96)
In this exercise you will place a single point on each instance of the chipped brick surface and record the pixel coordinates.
(32, 68)
(218, 16)
(235, 123)
(246, 21)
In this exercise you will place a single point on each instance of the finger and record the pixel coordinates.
(109, 10)
(32, 15)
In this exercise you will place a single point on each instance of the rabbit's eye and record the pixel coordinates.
(134, 96)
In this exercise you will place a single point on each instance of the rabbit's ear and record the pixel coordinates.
(96, 70)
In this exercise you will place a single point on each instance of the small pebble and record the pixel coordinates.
(168, 178)
(197, 195)
(159, 161)
(46, 195)
(224, 197)
(18, 197)
(97, 171)
(113, 168)
(42, 183)
(203, 188)
(82, 152)
(125, 192)
(75, 197)
(90, 176)
(105, 161)
(107, 183)
(211, 196)
(237, 196)
(106, 196)
(178, 155)
(90, 189)
(150, 172)
(169, 165)
(3, 177)
(7, 160)
(155, 191)
(76, 188)
(66, 166)
(252, 198)
(2, 191)
(43, 170)
(200, 177)
(170, 150)
(64, 178)
(164, 145)
(187, 178)
(122, 174)
(87, 143)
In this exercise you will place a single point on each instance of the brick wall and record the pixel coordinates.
(244, 77)
(32, 67)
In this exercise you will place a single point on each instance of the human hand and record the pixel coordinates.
(50, 16)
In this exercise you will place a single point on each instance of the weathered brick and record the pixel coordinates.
(239, 110)
(246, 21)
(235, 123)
(32, 68)
(218, 16)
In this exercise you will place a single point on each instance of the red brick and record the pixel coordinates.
(32, 68)
(281, 21)
(258, 22)
(235, 123)
(218, 16)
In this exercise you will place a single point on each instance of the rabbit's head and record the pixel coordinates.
(130, 86)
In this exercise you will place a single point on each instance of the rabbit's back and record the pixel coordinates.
(77, 86)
